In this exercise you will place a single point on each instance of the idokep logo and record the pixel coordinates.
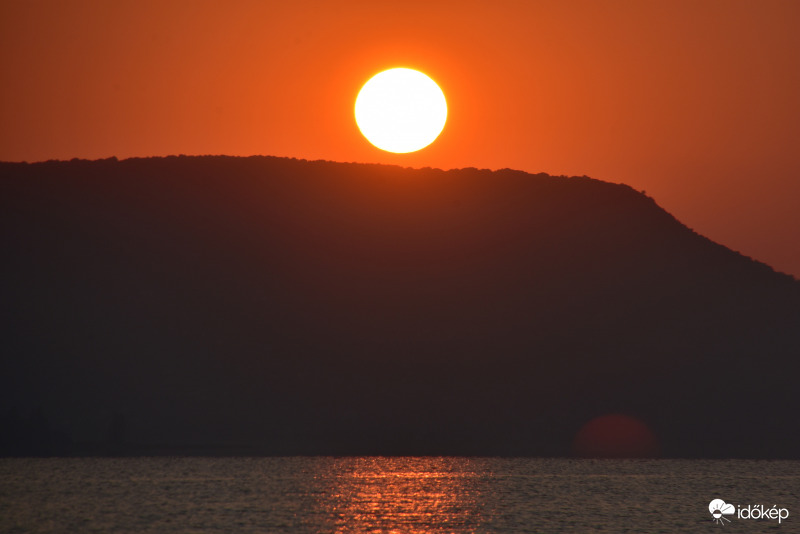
(719, 509)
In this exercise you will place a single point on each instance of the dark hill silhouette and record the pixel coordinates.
(275, 306)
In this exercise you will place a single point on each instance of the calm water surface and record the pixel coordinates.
(373, 494)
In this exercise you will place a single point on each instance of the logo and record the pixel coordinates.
(719, 509)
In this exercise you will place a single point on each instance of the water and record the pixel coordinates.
(373, 494)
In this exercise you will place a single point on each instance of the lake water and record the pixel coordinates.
(375, 494)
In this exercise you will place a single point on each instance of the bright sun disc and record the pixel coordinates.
(401, 110)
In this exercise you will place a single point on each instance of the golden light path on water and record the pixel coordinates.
(411, 495)
(312, 494)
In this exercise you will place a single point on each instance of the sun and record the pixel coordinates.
(401, 110)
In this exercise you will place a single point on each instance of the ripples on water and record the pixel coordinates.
(372, 494)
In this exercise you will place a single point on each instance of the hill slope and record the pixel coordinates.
(281, 306)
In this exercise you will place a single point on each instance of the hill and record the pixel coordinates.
(275, 306)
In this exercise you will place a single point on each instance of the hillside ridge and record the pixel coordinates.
(264, 305)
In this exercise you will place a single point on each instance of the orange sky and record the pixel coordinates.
(696, 102)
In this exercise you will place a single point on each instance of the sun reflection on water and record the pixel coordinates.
(410, 495)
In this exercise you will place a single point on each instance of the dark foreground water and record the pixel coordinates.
(373, 494)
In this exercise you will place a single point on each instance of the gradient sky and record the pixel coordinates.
(696, 102)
